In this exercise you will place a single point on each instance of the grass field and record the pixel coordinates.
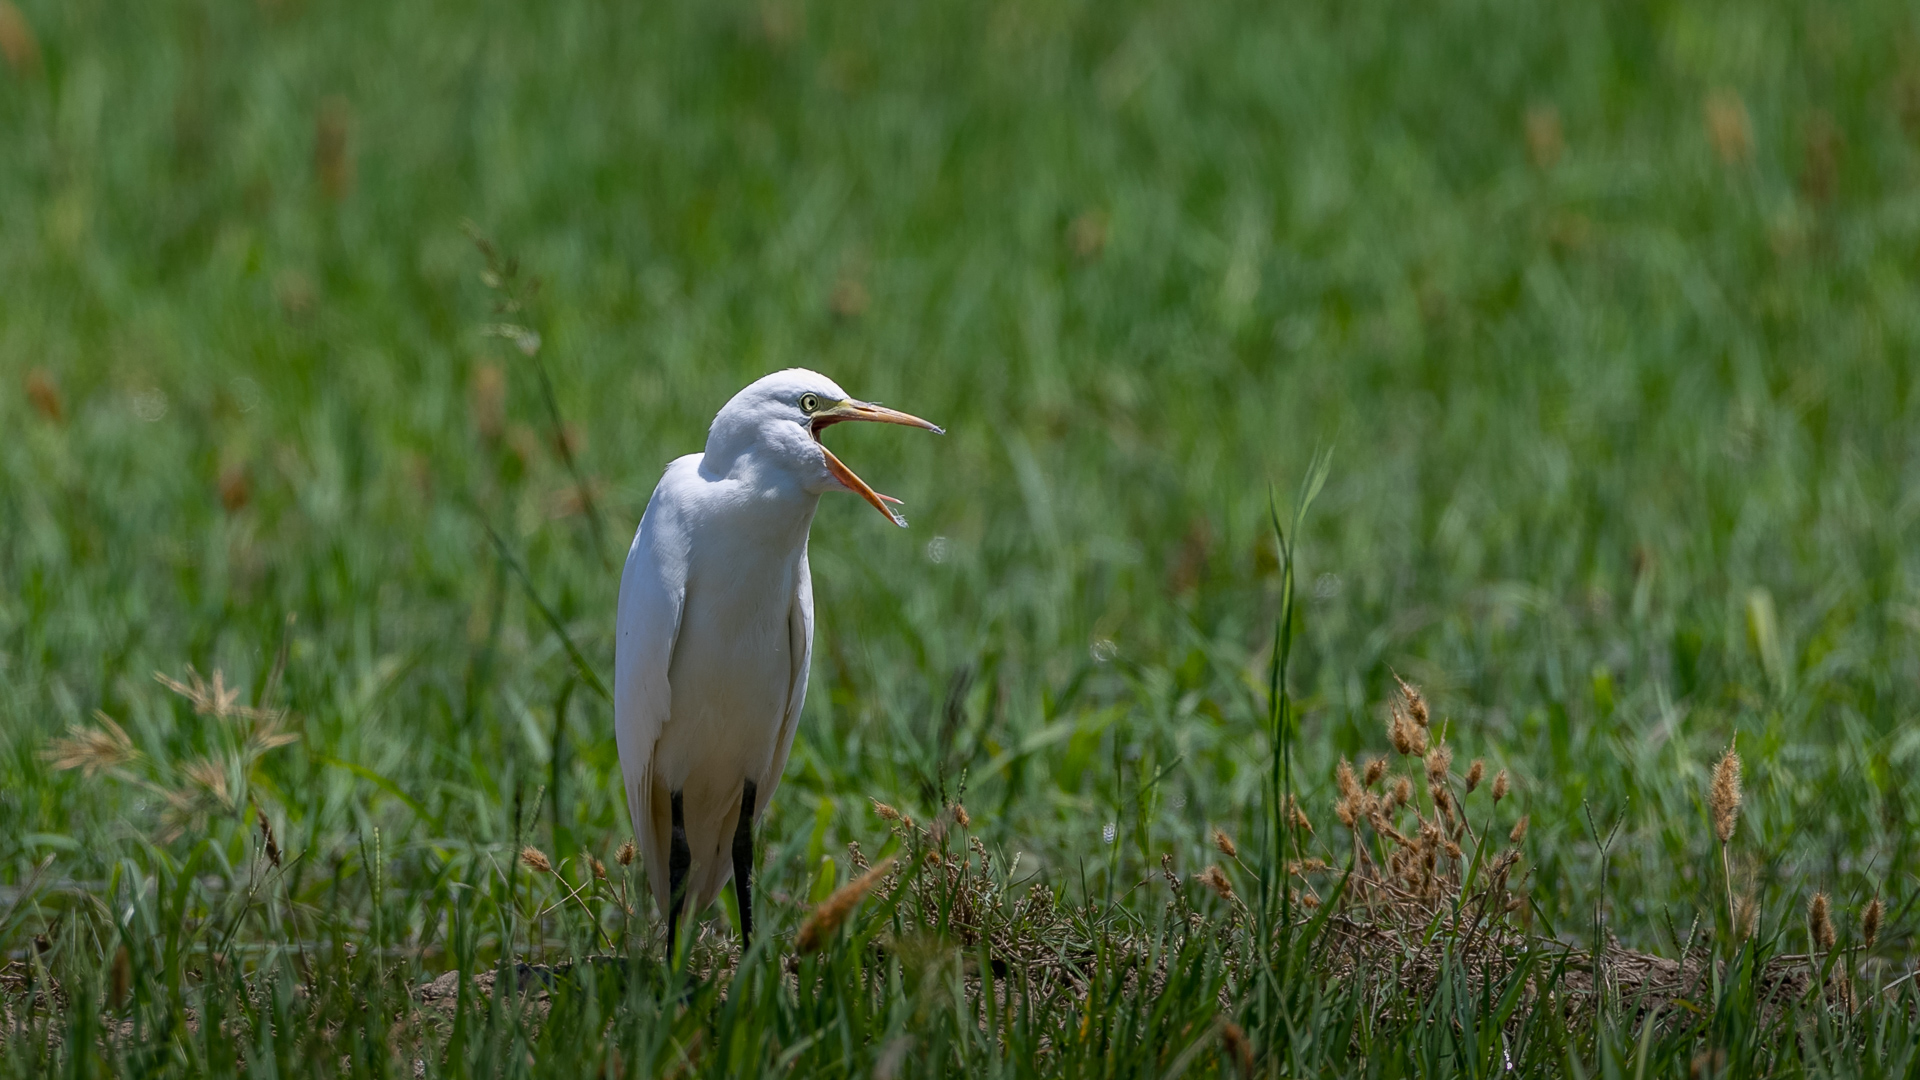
(1605, 313)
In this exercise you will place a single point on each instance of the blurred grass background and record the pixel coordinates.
(1608, 312)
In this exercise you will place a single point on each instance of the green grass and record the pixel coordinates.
(1625, 463)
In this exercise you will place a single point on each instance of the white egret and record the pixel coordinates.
(716, 628)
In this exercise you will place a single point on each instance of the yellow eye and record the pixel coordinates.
(808, 403)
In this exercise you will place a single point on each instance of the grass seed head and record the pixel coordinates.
(535, 860)
(1500, 785)
(1399, 730)
(92, 749)
(1225, 843)
(1870, 922)
(599, 868)
(1239, 1047)
(826, 919)
(960, 816)
(1475, 772)
(266, 836)
(1519, 832)
(625, 856)
(1216, 879)
(1439, 763)
(1416, 704)
(1820, 921)
(45, 395)
(886, 813)
(1376, 768)
(1746, 917)
(1402, 791)
(1344, 779)
(1723, 795)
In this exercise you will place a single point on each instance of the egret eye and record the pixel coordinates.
(809, 403)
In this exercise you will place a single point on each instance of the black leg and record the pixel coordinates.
(743, 866)
(679, 859)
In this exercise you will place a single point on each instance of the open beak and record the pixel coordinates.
(860, 410)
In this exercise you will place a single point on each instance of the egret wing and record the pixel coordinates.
(653, 591)
(800, 640)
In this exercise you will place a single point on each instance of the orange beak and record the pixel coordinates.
(860, 410)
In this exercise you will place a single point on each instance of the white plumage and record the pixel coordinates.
(716, 626)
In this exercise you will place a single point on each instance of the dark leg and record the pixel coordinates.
(679, 859)
(743, 866)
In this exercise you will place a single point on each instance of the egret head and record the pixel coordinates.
(777, 420)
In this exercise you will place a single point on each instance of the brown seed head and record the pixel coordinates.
(1519, 832)
(1402, 791)
(887, 813)
(1544, 137)
(833, 911)
(1729, 130)
(1344, 811)
(1500, 785)
(1746, 917)
(332, 152)
(1225, 843)
(1216, 879)
(1399, 730)
(45, 395)
(1820, 921)
(625, 856)
(960, 816)
(266, 836)
(1474, 772)
(1723, 795)
(1376, 768)
(1870, 922)
(1439, 763)
(1344, 779)
(535, 860)
(487, 401)
(235, 489)
(1416, 704)
(1239, 1047)
(17, 43)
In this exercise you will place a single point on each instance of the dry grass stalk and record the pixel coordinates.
(827, 918)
